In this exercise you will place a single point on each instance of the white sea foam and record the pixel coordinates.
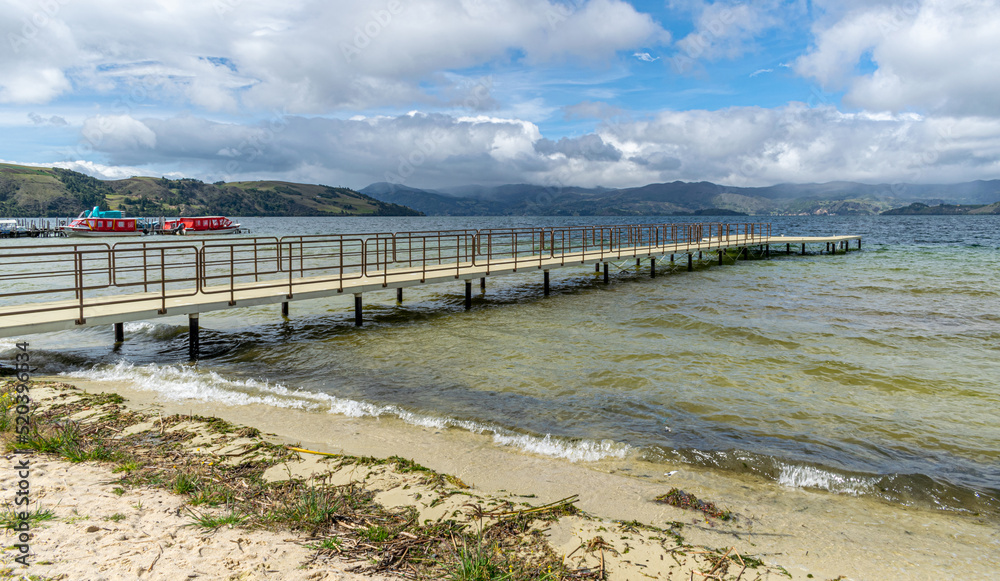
(811, 477)
(187, 383)
(581, 450)
(135, 327)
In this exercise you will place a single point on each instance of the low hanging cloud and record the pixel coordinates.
(589, 147)
(736, 146)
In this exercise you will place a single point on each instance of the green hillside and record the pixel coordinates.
(918, 209)
(55, 192)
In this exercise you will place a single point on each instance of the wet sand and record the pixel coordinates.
(810, 534)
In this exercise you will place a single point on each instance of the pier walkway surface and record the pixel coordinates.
(46, 288)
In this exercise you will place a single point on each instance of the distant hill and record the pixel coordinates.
(682, 198)
(918, 209)
(55, 192)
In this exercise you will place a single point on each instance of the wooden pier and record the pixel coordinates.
(66, 286)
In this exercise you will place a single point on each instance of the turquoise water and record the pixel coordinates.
(870, 373)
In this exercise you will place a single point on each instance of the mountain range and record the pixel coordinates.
(682, 198)
(56, 192)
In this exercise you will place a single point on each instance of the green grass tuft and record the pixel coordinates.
(11, 518)
(207, 521)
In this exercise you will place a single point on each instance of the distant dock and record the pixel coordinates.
(66, 286)
(31, 227)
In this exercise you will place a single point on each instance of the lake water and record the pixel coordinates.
(870, 373)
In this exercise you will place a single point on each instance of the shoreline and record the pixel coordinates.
(809, 534)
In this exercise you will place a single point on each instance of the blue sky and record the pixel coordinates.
(448, 92)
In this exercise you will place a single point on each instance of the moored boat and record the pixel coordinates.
(201, 225)
(9, 229)
(99, 223)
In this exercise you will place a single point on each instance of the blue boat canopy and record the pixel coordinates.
(98, 213)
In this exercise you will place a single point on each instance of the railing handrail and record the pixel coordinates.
(221, 266)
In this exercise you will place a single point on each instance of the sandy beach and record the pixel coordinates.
(145, 532)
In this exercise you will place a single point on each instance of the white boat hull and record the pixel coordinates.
(190, 232)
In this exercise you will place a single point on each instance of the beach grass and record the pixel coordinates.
(11, 517)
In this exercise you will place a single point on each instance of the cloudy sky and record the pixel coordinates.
(440, 93)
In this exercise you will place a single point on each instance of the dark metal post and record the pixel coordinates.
(468, 295)
(803, 249)
(546, 273)
(194, 341)
(788, 248)
(767, 250)
(482, 284)
(119, 332)
(399, 295)
(690, 262)
(358, 320)
(859, 244)
(721, 252)
(607, 277)
(652, 267)
(597, 267)
(284, 309)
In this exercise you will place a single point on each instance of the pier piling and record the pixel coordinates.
(284, 309)
(399, 294)
(546, 285)
(468, 292)
(194, 341)
(119, 332)
(720, 256)
(690, 262)
(358, 319)
(607, 276)
(652, 267)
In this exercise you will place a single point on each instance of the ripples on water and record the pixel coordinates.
(869, 373)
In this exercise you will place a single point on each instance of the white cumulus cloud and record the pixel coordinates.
(933, 56)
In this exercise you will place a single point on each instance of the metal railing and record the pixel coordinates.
(88, 275)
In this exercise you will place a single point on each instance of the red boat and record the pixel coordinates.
(98, 223)
(201, 225)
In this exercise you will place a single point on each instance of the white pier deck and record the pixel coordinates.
(53, 288)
